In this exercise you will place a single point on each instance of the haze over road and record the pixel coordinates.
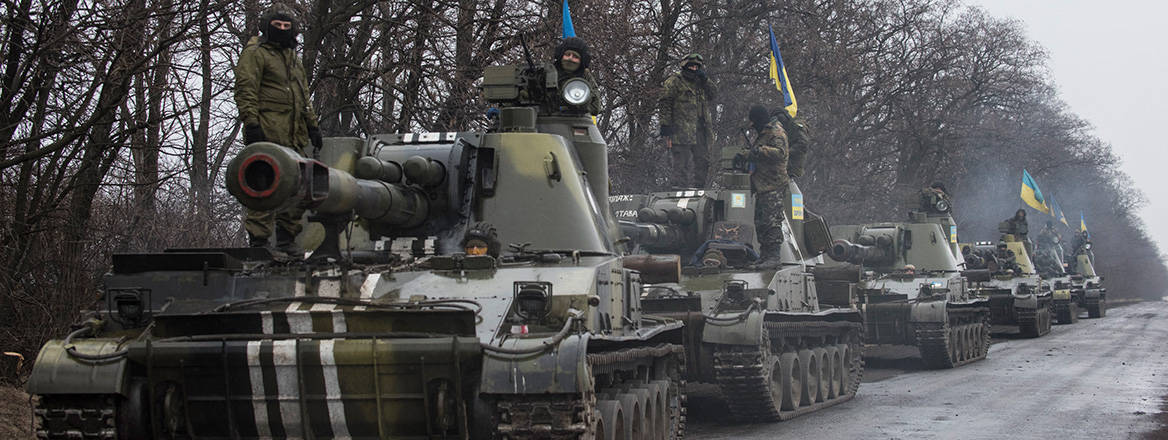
(1096, 379)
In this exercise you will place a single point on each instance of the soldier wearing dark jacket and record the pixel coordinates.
(571, 61)
(769, 154)
(686, 109)
(271, 93)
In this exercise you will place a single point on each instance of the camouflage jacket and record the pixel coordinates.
(686, 107)
(271, 90)
(799, 139)
(927, 199)
(769, 154)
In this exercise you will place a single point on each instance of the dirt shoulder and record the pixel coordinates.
(15, 413)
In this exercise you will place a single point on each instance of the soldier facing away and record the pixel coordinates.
(686, 114)
(768, 179)
(271, 93)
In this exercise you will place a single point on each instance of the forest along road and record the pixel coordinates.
(1098, 378)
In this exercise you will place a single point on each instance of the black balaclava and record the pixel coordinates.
(279, 37)
(759, 117)
(574, 44)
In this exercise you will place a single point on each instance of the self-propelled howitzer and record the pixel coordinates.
(911, 289)
(762, 334)
(1005, 274)
(390, 329)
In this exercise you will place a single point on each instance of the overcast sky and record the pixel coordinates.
(1109, 61)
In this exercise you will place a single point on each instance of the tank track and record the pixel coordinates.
(543, 417)
(74, 417)
(1066, 312)
(1034, 323)
(945, 346)
(745, 373)
(1096, 309)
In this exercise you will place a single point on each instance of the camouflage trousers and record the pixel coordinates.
(768, 222)
(691, 163)
(259, 224)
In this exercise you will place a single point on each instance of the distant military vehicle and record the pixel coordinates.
(1086, 285)
(774, 346)
(911, 288)
(1048, 261)
(390, 329)
(1005, 274)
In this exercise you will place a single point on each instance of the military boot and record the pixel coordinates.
(286, 244)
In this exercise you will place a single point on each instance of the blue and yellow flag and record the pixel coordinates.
(1032, 195)
(569, 30)
(1057, 212)
(1083, 225)
(779, 75)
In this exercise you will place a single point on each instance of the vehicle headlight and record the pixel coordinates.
(577, 92)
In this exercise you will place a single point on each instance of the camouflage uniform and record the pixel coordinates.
(271, 91)
(799, 141)
(558, 104)
(769, 153)
(686, 116)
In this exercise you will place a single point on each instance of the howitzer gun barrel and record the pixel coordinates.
(848, 252)
(266, 176)
(653, 234)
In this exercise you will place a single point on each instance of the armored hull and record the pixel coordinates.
(910, 288)
(396, 326)
(760, 334)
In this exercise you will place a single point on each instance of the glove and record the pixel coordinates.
(666, 130)
(253, 133)
(317, 142)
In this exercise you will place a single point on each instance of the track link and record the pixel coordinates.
(1066, 312)
(945, 346)
(77, 417)
(1033, 323)
(554, 417)
(751, 378)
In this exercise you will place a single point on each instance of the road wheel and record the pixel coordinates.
(791, 375)
(612, 421)
(810, 369)
(656, 412)
(635, 424)
(837, 372)
(824, 373)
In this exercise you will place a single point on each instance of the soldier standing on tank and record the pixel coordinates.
(1017, 226)
(571, 61)
(768, 179)
(271, 93)
(686, 115)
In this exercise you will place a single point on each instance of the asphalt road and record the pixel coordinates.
(1096, 379)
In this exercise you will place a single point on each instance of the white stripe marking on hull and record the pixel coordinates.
(259, 402)
(332, 389)
(287, 386)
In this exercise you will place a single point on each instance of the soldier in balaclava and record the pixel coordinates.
(271, 93)
(685, 110)
(571, 60)
(768, 179)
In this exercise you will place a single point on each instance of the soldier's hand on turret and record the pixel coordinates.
(253, 133)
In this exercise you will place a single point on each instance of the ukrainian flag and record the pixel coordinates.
(779, 75)
(569, 30)
(1083, 225)
(1032, 195)
(1057, 212)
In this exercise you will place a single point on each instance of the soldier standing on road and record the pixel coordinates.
(686, 113)
(769, 154)
(271, 93)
